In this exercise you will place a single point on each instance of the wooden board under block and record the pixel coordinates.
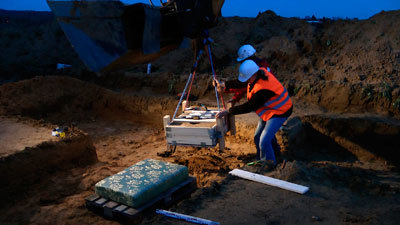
(141, 182)
(117, 211)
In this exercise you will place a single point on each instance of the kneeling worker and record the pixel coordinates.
(268, 98)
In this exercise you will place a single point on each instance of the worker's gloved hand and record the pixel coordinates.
(219, 84)
(222, 114)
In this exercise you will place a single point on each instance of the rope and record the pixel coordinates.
(187, 83)
(190, 89)
(214, 77)
(191, 78)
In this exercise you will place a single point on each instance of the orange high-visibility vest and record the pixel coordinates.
(277, 105)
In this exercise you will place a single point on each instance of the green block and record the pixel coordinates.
(141, 182)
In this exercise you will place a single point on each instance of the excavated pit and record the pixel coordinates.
(343, 138)
(313, 140)
(29, 153)
(333, 154)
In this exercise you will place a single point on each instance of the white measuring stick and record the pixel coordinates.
(270, 181)
(191, 219)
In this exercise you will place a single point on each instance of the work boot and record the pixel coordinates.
(267, 165)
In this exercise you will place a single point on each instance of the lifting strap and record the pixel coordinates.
(187, 83)
(207, 43)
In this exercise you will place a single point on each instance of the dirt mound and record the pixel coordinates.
(51, 98)
(342, 65)
(355, 177)
(349, 97)
(32, 44)
(360, 58)
(64, 100)
(208, 165)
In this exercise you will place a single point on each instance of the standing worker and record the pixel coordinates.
(245, 52)
(268, 98)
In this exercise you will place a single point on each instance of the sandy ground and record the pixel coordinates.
(16, 136)
(342, 190)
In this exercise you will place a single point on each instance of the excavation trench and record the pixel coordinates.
(334, 138)
(343, 138)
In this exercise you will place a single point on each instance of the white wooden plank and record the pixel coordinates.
(166, 121)
(190, 131)
(270, 181)
(201, 111)
(221, 129)
(195, 121)
(190, 140)
(192, 143)
(184, 105)
(172, 135)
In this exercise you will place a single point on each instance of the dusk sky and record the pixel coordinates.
(361, 9)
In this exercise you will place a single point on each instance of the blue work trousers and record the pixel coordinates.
(265, 139)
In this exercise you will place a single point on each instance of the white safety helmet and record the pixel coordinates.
(244, 52)
(247, 69)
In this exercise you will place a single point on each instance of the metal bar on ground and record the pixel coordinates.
(187, 218)
(270, 181)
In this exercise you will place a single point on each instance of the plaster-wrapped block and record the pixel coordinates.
(141, 182)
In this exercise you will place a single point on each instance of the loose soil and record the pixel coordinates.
(326, 152)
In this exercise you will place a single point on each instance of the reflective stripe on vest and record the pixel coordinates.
(278, 104)
(284, 93)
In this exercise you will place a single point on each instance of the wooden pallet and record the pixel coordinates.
(113, 210)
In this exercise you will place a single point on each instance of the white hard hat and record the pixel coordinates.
(244, 52)
(247, 69)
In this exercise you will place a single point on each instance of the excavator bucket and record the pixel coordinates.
(106, 34)
(102, 32)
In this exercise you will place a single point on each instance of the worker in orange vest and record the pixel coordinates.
(268, 98)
